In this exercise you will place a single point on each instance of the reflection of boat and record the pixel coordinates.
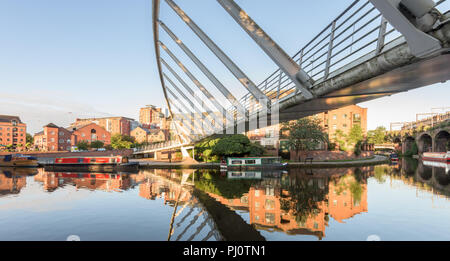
(95, 164)
(248, 174)
(99, 176)
(437, 156)
(444, 165)
(255, 163)
(244, 174)
(18, 160)
(393, 157)
(10, 171)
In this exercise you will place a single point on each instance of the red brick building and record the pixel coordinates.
(54, 138)
(114, 125)
(89, 133)
(13, 132)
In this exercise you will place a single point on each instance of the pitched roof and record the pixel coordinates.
(9, 118)
(39, 133)
(51, 125)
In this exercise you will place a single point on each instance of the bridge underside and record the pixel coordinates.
(419, 74)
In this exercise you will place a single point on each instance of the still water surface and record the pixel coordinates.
(408, 201)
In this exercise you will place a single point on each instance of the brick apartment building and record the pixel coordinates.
(151, 116)
(148, 135)
(89, 133)
(13, 132)
(114, 125)
(54, 138)
(340, 119)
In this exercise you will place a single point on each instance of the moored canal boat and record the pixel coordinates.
(255, 163)
(437, 156)
(92, 164)
(18, 160)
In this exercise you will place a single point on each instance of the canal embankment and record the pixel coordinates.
(374, 160)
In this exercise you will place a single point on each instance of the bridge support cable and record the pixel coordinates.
(420, 43)
(199, 228)
(232, 67)
(182, 139)
(182, 114)
(213, 118)
(208, 95)
(228, 95)
(209, 235)
(190, 225)
(200, 113)
(301, 79)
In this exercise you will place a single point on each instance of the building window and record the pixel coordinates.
(334, 126)
(61, 133)
(270, 218)
(82, 135)
(344, 125)
(345, 116)
(52, 140)
(270, 204)
(334, 116)
(52, 133)
(61, 141)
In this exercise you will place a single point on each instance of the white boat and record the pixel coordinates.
(437, 156)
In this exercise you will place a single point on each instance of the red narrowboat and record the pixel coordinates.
(92, 164)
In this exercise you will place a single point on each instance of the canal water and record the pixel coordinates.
(406, 201)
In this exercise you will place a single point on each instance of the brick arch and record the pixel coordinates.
(442, 141)
(424, 142)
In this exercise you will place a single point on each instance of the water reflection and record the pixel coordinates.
(214, 205)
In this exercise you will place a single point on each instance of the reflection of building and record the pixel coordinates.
(13, 131)
(12, 184)
(92, 181)
(272, 207)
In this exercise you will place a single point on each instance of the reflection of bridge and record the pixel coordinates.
(195, 211)
(373, 49)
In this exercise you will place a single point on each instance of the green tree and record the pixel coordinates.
(29, 139)
(355, 135)
(340, 138)
(83, 145)
(97, 144)
(119, 141)
(377, 136)
(304, 134)
(235, 145)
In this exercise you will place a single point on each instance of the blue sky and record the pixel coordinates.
(82, 58)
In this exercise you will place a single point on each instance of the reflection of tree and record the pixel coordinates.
(212, 182)
(380, 173)
(353, 183)
(302, 202)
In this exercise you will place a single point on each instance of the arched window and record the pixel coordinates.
(93, 134)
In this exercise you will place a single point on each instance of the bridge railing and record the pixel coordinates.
(356, 35)
(160, 145)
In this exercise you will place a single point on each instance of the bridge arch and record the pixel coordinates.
(424, 143)
(441, 177)
(424, 172)
(407, 144)
(442, 141)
